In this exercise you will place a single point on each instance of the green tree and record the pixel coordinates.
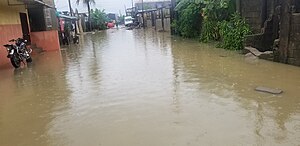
(98, 19)
(88, 4)
(189, 19)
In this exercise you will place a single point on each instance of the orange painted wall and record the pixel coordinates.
(47, 40)
(10, 26)
(8, 32)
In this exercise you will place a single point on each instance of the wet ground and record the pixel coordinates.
(144, 88)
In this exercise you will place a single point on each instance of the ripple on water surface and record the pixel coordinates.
(141, 87)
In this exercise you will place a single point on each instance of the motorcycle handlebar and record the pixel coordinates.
(13, 40)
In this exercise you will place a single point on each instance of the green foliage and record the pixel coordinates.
(210, 31)
(189, 22)
(98, 19)
(233, 32)
(213, 12)
(216, 10)
(212, 20)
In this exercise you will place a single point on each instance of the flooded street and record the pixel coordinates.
(146, 88)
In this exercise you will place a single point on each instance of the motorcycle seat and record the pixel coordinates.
(8, 45)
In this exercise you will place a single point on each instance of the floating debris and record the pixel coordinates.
(268, 90)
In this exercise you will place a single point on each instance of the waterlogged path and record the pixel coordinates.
(144, 88)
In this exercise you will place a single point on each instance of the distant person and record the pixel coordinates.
(75, 37)
(66, 35)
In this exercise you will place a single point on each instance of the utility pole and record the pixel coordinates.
(162, 19)
(143, 13)
(131, 3)
(132, 13)
(125, 9)
(70, 8)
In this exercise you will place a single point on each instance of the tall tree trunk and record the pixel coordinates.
(89, 11)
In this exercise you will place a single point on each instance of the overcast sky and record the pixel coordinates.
(110, 6)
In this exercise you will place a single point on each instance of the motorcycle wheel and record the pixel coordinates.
(29, 60)
(15, 61)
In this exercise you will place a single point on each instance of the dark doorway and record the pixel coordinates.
(25, 27)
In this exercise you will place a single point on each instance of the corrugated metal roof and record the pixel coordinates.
(67, 17)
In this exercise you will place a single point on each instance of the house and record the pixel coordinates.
(34, 20)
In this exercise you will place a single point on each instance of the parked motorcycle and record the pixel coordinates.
(18, 52)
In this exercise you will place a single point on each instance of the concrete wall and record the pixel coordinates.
(260, 15)
(10, 26)
(152, 5)
(251, 10)
(47, 40)
(294, 44)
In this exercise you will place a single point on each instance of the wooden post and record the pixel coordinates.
(143, 15)
(162, 19)
(145, 20)
(152, 18)
(155, 18)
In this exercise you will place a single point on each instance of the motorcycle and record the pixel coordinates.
(18, 52)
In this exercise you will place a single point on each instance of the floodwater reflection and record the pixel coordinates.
(142, 87)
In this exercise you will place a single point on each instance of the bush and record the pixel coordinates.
(233, 32)
(214, 12)
(210, 31)
(190, 19)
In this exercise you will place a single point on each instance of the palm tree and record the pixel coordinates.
(88, 4)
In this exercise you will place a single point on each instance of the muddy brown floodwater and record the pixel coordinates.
(146, 88)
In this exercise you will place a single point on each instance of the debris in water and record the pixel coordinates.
(269, 90)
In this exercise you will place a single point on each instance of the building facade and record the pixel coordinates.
(34, 20)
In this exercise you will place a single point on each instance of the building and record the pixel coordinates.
(113, 17)
(34, 20)
(152, 4)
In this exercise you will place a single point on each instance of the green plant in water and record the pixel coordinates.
(233, 32)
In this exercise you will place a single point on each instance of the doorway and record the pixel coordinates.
(25, 27)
